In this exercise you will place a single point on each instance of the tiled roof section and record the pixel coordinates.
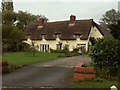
(66, 32)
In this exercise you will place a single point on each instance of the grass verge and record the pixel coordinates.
(20, 58)
(94, 84)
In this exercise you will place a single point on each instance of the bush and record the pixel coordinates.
(98, 80)
(56, 51)
(105, 55)
(61, 55)
(22, 46)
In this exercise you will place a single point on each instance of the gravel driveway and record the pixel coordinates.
(50, 74)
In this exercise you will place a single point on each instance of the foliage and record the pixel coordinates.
(23, 19)
(98, 79)
(6, 5)
(105, 56)
(12, 36)
(61, 55)
(100, 84)
(22, 46)
(92, 40)
(13, 25)
(115, 30)
(110, 17)
(56, 51)
(111, 20)
(66, 48)
(8, 17)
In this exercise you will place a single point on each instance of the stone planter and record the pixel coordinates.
(83, 73)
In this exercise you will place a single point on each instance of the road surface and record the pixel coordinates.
(50, 74)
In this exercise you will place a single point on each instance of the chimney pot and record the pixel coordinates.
(72, 20)
(40, 23)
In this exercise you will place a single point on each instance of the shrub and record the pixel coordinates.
(56, 51)
(22, 46)
(66, 48)
(61, 55)
(105, 55)
(98, 80)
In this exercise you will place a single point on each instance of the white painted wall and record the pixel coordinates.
(95, 33)
(52, 43)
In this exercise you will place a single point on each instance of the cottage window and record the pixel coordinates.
(44, 47)
(82, 47)
(58, 46)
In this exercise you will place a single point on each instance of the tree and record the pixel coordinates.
(8, 18)
(7, 5)
(11, 37)
(111, 20)
(13, 25)
(105, 56)
(115, 30)
(110, 17)
(24, 18)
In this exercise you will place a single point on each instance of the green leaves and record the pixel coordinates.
(111, 20)
(105, 55)
(110, 17)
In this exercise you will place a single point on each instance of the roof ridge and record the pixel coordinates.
(68, 20)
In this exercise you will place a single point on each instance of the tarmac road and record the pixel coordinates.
(50, 74)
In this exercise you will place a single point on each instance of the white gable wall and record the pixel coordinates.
(95, 33)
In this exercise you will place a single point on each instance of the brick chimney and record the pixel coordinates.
(40, 22)
(72, 20)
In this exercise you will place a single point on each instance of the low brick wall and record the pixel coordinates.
(83, 73)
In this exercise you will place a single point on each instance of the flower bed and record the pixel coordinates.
(83, 73)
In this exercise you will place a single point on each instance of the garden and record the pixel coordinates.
(105, 65)
(15, 60)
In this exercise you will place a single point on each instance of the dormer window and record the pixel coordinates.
(28, 36)
(57, 35)
(43, 36)
(77, 35)
(40, 22)
(72, 20)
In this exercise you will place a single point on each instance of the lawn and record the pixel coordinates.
(22, 58)
(94, 84)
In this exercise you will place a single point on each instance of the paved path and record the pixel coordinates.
(48, 74)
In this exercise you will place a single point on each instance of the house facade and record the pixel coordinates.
(55, 35)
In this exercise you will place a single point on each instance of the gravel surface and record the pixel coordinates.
(50, 74)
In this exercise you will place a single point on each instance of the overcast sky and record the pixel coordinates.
(61, 10)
